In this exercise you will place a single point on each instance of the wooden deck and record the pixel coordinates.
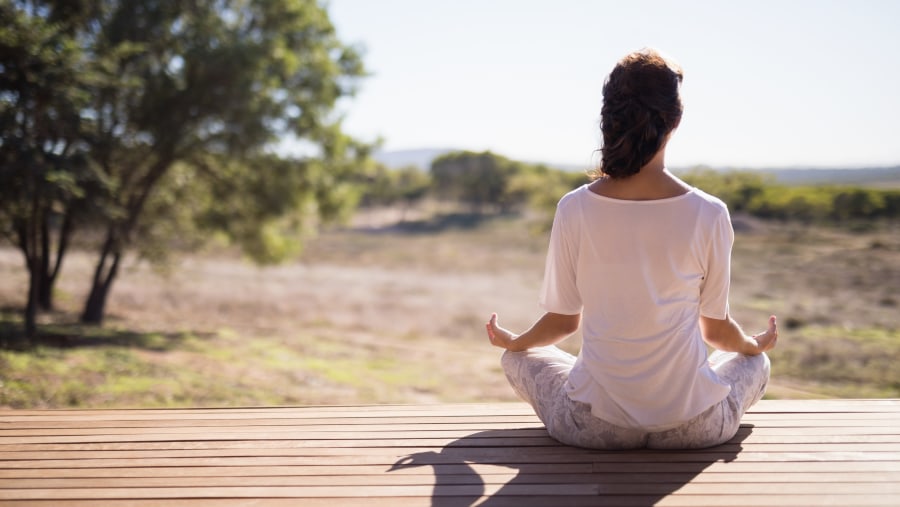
(832, 452)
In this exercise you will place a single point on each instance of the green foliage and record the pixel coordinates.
(546, 191)
(737, 188)
(477, 179)
(169, 219)
(383, 186)
(489, 181)
(110, 109)
(757, 195)
(484, 180)
(267, 205)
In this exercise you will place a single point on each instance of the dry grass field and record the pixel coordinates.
(379, 313)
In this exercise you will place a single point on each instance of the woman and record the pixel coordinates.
(642, 261)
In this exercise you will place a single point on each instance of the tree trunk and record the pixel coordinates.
(51, 272)
(28, 243)
(31, 306)
(95, 306)
(117, 237)
(44, 289)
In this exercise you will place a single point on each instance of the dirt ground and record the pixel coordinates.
(387, 314)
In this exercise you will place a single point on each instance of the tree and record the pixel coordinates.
(486, 179)
(218, 77)
(478, 179)
(386, 187)
(43, 158)
(412, 186)
(179, 83)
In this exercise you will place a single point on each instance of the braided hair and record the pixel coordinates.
(641, 106)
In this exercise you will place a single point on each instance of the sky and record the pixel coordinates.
(768, 83)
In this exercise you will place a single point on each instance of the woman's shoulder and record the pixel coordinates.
(572, 196)
(713, 203)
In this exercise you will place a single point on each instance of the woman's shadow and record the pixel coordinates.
(476, 470)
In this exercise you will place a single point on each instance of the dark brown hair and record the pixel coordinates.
(641, 105)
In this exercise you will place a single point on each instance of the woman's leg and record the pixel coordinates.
(748, 377)
(539, 377)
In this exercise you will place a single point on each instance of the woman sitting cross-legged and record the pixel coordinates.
(641, 261)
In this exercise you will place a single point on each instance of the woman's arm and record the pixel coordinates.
(550, 329)
(726, 335)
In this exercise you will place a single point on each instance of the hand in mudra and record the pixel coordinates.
(499, 337)
(766, 340)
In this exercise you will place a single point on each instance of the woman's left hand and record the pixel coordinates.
(499, 336)
(766, 341)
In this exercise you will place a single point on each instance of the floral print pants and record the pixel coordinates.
(539, 377)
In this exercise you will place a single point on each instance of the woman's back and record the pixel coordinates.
(642, 272)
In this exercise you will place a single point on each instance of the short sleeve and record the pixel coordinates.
(559, 293)
(717, 278)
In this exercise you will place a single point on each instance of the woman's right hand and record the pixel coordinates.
(499, 336)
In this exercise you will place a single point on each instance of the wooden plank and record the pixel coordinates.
(411, 424)
(177, 420)
(456, 478)
(188, 420)
(340, 448)
(295, 492)
(417, 425)
(524, 421)
(739, 468)
(849, 460)
(816, 417)
(461, 410)
(456, 410)
(861, 500)
(419, 490)
(354, 410)
(267, 430)
(846, 404)
(513, 410)
(747, 434)
(298, 434)
(777, 406)
(262, 445)
(13, 420)
(880, 452)
(323, 470)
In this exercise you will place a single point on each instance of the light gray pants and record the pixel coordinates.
(539, 377)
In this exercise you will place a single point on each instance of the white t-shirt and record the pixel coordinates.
(641, 273)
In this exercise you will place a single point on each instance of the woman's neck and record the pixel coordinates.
(652, 182)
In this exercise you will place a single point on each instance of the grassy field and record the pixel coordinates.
(379, 313)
